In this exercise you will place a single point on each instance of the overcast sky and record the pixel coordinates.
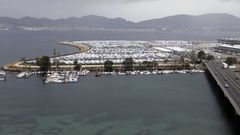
(134, 10)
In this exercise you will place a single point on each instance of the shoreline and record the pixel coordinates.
(18, 65)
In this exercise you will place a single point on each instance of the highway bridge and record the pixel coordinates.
(228, 81)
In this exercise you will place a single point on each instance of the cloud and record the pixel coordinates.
(80, 1)
(136, 1)
(129, 9)
(230, 0)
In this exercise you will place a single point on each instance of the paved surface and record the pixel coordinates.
(227, 80)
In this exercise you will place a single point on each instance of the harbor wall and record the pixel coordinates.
(18, 67)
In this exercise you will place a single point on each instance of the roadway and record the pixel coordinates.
(228, 80)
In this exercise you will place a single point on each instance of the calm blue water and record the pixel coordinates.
(188, 104)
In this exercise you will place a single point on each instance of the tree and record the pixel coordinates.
(201, 55)
(182, 59)
(231, 60)
(146, 63)
(210, 57)
(23, 60)
(44, 63)
(193, 57)
(166, 61)
(186, 64)
(75, 62)
(76, 65)
(155, 63)
(108, 66)
(128, 64)
(150, 64)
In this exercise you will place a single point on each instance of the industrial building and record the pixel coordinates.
(229, 46)
(231, 41)
(228, 49)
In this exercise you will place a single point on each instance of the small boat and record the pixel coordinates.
(2, 76)
(113, 73)
(155, 72)
(180, 71)
(146, 72)
(121, 73)
(83, 72)
(54, 78)
(133, 72)
(98, 74)
(24, 75)
(71, 77)
(196, 71)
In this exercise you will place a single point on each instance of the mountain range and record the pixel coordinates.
(216, 22)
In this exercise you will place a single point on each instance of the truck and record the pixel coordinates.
(225, 65)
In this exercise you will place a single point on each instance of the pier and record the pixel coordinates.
(81, 46)
(227, 80)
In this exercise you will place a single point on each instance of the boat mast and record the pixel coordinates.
(55, 60)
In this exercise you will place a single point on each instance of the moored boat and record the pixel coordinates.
(54, 78)
(98, 74)
(2, 75)
(24, 75)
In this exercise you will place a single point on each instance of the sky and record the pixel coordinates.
(133, 10)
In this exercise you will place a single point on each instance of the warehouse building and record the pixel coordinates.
(230, 41)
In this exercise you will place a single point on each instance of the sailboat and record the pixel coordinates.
(25, 73)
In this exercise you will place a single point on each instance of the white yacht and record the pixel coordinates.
(113, 73)
(2, 75)
(71, 77)
(24, 75)
(181, 71)
(196, 71)
(121, 73)
(63, 77)
(54, 78)
(83, 72)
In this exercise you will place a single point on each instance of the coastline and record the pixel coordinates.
(19, 65)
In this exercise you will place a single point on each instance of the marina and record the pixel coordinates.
(140, 51)
(73, 76)
(169, 57)
(93, 54)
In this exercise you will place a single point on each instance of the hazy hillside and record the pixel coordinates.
(211, 21)
(178, 22)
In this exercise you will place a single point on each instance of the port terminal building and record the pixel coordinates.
(229, 46)
(230, 41)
